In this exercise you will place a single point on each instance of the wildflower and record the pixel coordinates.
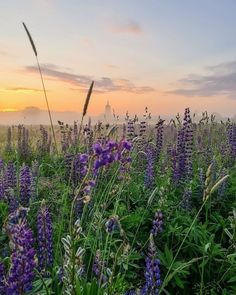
(45, 245)
(152, 271)
(25, 186)
(159, 137)
(2, 278)
(98, 267)
(10, 176)
(149, 175)
(9, 141)
(11, 200)
(112, 224)
(187, 198)
(157, 223)
(21, 273)
(72, 266)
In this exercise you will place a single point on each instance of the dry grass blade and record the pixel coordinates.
(44, 89)
(215, 187)
(30, 39)
(88, 99)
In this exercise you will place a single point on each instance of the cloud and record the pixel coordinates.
(20, 90)
(220, 80)
(3, 52)
(82, 82)
(111, 66)
(130, 27)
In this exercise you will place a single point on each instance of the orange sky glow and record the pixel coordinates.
(153, 55)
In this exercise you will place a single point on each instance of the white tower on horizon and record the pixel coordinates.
(108, 113)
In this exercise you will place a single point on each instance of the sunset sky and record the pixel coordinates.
(163, 54)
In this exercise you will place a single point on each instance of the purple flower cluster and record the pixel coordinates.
(45, 243)
(130, 130)
(98, 268)
(76, 167)
(25, 186)
(44, 144)
(187, 199)
(2, 278)
(150, 172)
(23, 141)
(112, 224)
(142, 129)
(10, 176)
(12, 201)
(183, 157)
(21, 273)
(157, 223)
(9, 141)
(159, 137)
(188, 141)
(110, 152)
(232, 139)
(66, 133)
(152, 271)
(223, 186)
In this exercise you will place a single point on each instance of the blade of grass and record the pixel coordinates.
(42, 81)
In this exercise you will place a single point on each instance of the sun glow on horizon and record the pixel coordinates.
(8, 110)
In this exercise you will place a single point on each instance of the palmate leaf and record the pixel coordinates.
(39, 288)
(88, 288)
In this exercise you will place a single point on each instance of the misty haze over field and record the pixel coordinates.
(35, 116)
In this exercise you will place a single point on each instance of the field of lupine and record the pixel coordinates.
(124, 209)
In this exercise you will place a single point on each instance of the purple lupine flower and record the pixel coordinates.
(159, 137)
(44, 145)
(112, 224)
(142, 130)
(79, 168)
(25, 186)
(150, 172)
(2, 278)
(130, 130)
(201, 177)
(9, 141)
(110, 152)
(45, 244)
(23, 141)
(152, 271)
(75, 133)
(11, 200)
(181, 154)
(21, 273)
(187, 199)
(16, 217)
(76, 167)
(184, 147)
(10, 176)
(188, 141)
(1, 166)
(2, 189)
(174, 165)
(157, 223)
(99, 267)
(231, 132)
(35, 175)
(223, 186)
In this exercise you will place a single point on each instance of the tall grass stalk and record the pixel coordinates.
(42, 81)
(86, 104)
